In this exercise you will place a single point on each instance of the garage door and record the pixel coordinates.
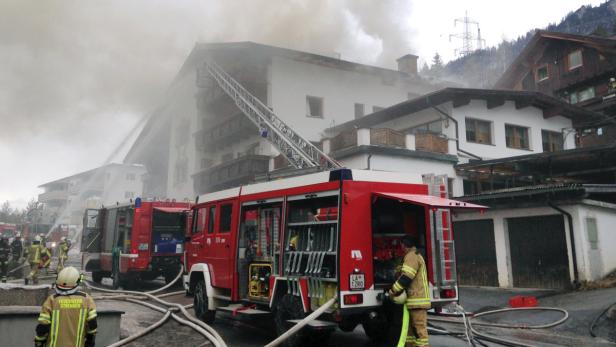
(476, 255)
(539, 256)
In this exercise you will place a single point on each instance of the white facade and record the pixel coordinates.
(65, 200)
(595, 257)
(528, 117)
(289, 80)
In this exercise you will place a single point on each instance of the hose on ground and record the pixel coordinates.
(217, 339)
(594, 322)
(297, 327)
(500, 340)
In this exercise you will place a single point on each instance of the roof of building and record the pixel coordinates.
(590, 164)
(89, 172)
(520, 63)
(551, 106)
(200, 50)
(543, 195)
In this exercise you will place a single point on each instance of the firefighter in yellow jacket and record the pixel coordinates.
(412, 283)
(68, 317)
(34, 254)
(62, 253)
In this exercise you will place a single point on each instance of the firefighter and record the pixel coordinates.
(413, 283)
(612, 85)
(45, 255)
(68, 317)
(17, 248)
(5, 251)
(34, 259)
(63, 248)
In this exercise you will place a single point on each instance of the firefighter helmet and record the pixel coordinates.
(63, 238)
(69, 278)
(37, 238)
(18, 235)
(400, 299)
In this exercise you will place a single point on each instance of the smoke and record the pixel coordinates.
(77, 75)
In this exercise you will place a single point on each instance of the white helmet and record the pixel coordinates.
(37, 238)
(63, 238)
(18, 235)
(400, 299)
(68, 279)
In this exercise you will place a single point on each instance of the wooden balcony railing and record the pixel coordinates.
(387, 138)
(431, 143)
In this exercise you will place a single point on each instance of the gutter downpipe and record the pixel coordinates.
(455, 122)
(576, 278)
(368, 164)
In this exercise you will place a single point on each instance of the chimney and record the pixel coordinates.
(408, 64)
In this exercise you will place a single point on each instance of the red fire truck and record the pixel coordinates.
(288, 246)
(135, 241)
(8, 230)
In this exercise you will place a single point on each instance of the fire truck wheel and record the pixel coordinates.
(97, 276)
(201, 304)
(376, 329)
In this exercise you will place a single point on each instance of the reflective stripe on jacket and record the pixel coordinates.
(418, 292)
(68, 317)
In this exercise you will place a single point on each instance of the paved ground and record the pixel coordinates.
(582, 308)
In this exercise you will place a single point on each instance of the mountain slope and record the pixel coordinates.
(482, 68)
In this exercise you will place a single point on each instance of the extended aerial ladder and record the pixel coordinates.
(300, 152)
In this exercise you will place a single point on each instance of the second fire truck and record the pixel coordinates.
(287, 246)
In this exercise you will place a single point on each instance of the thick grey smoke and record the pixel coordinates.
(76, 75)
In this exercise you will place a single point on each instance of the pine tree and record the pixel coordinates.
(600, 31)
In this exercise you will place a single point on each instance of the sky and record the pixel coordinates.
(76, 77)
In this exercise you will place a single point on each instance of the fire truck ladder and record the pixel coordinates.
(298, 151)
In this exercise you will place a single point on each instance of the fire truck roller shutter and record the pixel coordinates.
(168, 227)
(430, 201)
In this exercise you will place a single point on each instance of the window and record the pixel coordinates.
(552, 140)
(225, 218)
(575, 59)
(359, 110)
(542, 73)
(478, 131)
(516, 137)
(129, 195)
(314, 106)
(593, 234)
(211, 220)
(200, 218)
(377, 108)
(582, 95)
(130, 176)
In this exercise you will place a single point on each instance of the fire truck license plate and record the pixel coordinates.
(357, 281)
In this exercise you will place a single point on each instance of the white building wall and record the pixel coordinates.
(291, 81)
(587, 262)
(121, 183)
(181, 108)
(530, 117)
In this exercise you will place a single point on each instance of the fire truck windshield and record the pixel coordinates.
(168, 232)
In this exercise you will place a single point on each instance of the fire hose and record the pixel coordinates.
(501, 340)
(297, 327)
(191, 321)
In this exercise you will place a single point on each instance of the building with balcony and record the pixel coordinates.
(432, 133)
(576, 68)
(210, 144)
(64, 200)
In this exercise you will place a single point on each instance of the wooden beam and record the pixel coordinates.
(552, 111)
(494, 102)
(460, 101)
(520, 104)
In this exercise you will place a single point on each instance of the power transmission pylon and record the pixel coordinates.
(467, 36)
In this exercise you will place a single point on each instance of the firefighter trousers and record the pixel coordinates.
(414, 328)
(34, 270)
(4, 268)
(61, 261)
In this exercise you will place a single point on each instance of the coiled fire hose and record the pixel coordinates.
(297, 327)
(501, 340)
(190, 320)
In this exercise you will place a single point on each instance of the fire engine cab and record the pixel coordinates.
(286, 247)
(134, 241)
